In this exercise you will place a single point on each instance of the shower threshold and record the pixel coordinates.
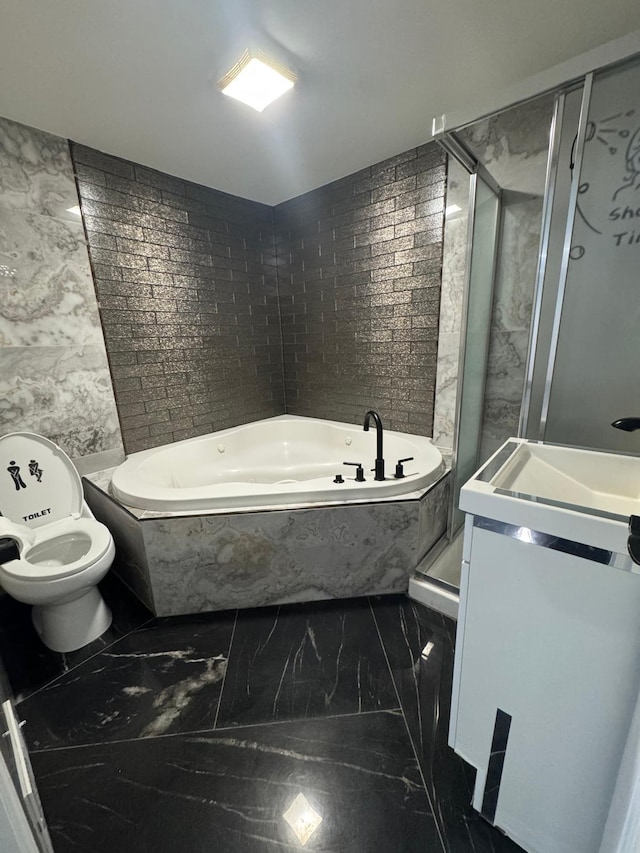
(436, 582)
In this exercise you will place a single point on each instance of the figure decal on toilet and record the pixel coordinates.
(14, 470)
(35, 471)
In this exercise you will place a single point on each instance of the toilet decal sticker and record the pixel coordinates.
(14, 470)
(35, 471)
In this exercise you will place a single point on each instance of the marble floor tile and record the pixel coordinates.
(31, 665)
(228, 791)
(419, 644)
(164, 678)
(305, 660)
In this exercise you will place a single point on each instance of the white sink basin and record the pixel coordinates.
(583, 478)
(581, 495)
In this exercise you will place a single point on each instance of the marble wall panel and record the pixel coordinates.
(433, 513)
(35, 171)
(54, 375)
(513, 144)
(446, 389)
(518, 262)
(63, 393)
(503, 389)
(451, 295)
(47, 290)
(455, 249)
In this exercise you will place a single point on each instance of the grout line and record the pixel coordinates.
(213, 732)
(226, 671)
(411, 740)
(99, 651)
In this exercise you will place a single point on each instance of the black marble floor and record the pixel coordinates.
(199, 733)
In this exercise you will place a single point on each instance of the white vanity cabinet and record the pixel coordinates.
(22, 824)
(547, 666)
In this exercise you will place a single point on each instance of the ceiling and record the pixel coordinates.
(136, 78)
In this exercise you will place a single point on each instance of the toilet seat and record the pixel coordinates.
(99, 543)
(42, 503)
(64, 551)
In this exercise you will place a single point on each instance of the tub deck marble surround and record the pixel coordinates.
(197, 733)
(178, 564)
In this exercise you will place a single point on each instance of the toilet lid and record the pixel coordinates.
(38, 482)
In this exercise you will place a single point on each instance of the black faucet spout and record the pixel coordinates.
(379, 465)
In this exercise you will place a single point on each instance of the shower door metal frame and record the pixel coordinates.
(549, 196)
(457, 149)
(566, 249)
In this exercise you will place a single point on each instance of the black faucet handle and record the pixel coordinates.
(399, 469)
(359, 470)
(633, 542)
(627, 424)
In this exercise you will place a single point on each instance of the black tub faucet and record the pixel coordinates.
(379, 469)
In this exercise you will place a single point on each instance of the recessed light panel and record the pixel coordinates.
(256, 81)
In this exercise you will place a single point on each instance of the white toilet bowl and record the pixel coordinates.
(64, 551)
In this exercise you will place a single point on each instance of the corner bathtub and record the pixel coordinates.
(279, 461)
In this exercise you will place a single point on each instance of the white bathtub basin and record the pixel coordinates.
(286, 460)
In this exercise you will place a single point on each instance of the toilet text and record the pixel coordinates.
(38, 514)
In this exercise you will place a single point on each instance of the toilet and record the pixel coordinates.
(64, 551)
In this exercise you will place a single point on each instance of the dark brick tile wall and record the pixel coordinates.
(187, 285)
(359, 269)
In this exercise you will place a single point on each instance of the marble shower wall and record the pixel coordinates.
(513, 146)
(451, 295)
(54, 375)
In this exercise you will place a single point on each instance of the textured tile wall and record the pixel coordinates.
(359, 265)
(54, 376)
(187, 285)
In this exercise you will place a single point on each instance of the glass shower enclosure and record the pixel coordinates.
(550, 317)
(504, 159)
(585, 361)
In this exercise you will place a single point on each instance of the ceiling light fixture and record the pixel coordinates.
(256, 80)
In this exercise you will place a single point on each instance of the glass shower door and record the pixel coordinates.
(595, 358)
(483, 231)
